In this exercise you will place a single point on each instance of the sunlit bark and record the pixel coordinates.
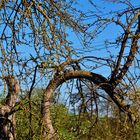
(7, 118)
(49, 132)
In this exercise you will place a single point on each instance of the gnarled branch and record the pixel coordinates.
(7, 126)
(58, 79)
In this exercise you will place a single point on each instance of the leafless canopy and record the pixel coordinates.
(53, 42)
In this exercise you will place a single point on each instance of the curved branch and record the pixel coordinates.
(60, 78)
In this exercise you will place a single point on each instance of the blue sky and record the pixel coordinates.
(110, 33)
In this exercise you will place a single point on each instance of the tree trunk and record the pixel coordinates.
(48, 131)
(7, 118)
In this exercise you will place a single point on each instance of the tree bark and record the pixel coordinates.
(7, 118)
(49, 132)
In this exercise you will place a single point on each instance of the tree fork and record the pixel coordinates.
(7, 120)
(58, 79)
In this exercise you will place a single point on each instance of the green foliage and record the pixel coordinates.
(61, 121)
(70, 126)
(24, 126)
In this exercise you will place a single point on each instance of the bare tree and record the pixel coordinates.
(35, 46)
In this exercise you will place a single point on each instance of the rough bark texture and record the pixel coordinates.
(49, 132)
(7, 120)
